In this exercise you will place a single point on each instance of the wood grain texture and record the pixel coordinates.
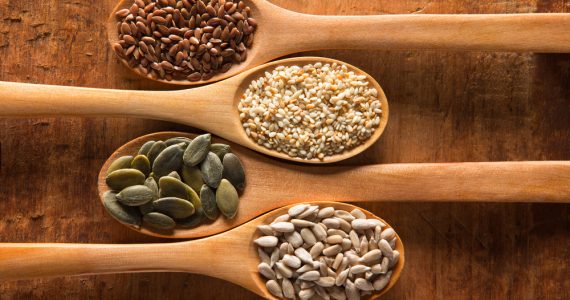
(445, 107)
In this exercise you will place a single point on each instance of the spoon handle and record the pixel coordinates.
(24, 99)
(541, 181)
(29, 260)
(489, 32)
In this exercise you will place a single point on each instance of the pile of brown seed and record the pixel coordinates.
(184, 39)
(326, 253)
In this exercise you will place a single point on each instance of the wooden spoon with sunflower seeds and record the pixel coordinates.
(231, 256)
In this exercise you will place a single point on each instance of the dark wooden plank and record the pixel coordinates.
(445, 106)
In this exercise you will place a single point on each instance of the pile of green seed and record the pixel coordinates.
(177, 182)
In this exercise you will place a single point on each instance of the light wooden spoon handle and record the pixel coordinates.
(191, 107)
(22, 261)
(493, 32)
(541, 181)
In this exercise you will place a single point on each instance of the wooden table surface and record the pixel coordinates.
(445, 107)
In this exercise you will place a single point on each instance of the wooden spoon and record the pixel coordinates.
(282, 32)
(212, 108)
(230, 256)
(271, 183)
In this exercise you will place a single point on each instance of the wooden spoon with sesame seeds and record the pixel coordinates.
(282, 32)
(213, 108)
(272, 183)
(231, 256)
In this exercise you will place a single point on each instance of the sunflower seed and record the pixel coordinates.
(388, 234)
(308, 236)
(316, 250)
(197, 150)
(320, 232)
(331, 223)
(326, 212)
(386, 249)
(266, 271)
(307, 294)
(123, 162)
(382, 281)
(282, 227)
(395, 258)
(310, 276)
(288, 290)
(266, 229)
(291, 261)
(297, 210)
(302, 254)
(272, 285)
(263, 256)
(294, 238)
(284, 270)
(266, 241)
(332, 250)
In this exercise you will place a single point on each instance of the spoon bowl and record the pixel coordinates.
(282, 32)
(213, 108)
(208, 256)
(271, 183)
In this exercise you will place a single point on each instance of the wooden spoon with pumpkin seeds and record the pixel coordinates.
(231, 256)
(213, 108)
(273, 183)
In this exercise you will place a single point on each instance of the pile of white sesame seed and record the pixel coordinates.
(312, 111)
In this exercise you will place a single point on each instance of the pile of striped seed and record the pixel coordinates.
(178, 182)
(184, 39)
(333, 254)
(310, 111)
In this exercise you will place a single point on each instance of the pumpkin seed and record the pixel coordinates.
(145, 148)
(135, 195)
(192, 177)
(123, 162)
(197, 150)
(159, 221)
(233, 171)
(227, 199)
(168, 160)
(177, 140)
(125, 214)
(174, 207)
(193, 220)
(212, 170)
(172, 187)
(220, 150)
(151, 184)
(208, 199)
(120, 179)
(155, 150)
(175, 175)
(141, 163)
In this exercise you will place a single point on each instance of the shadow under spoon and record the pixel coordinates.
(231, 256)
(272, 183)
(282, 32)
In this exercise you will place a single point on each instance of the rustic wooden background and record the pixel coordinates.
(445, 107)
